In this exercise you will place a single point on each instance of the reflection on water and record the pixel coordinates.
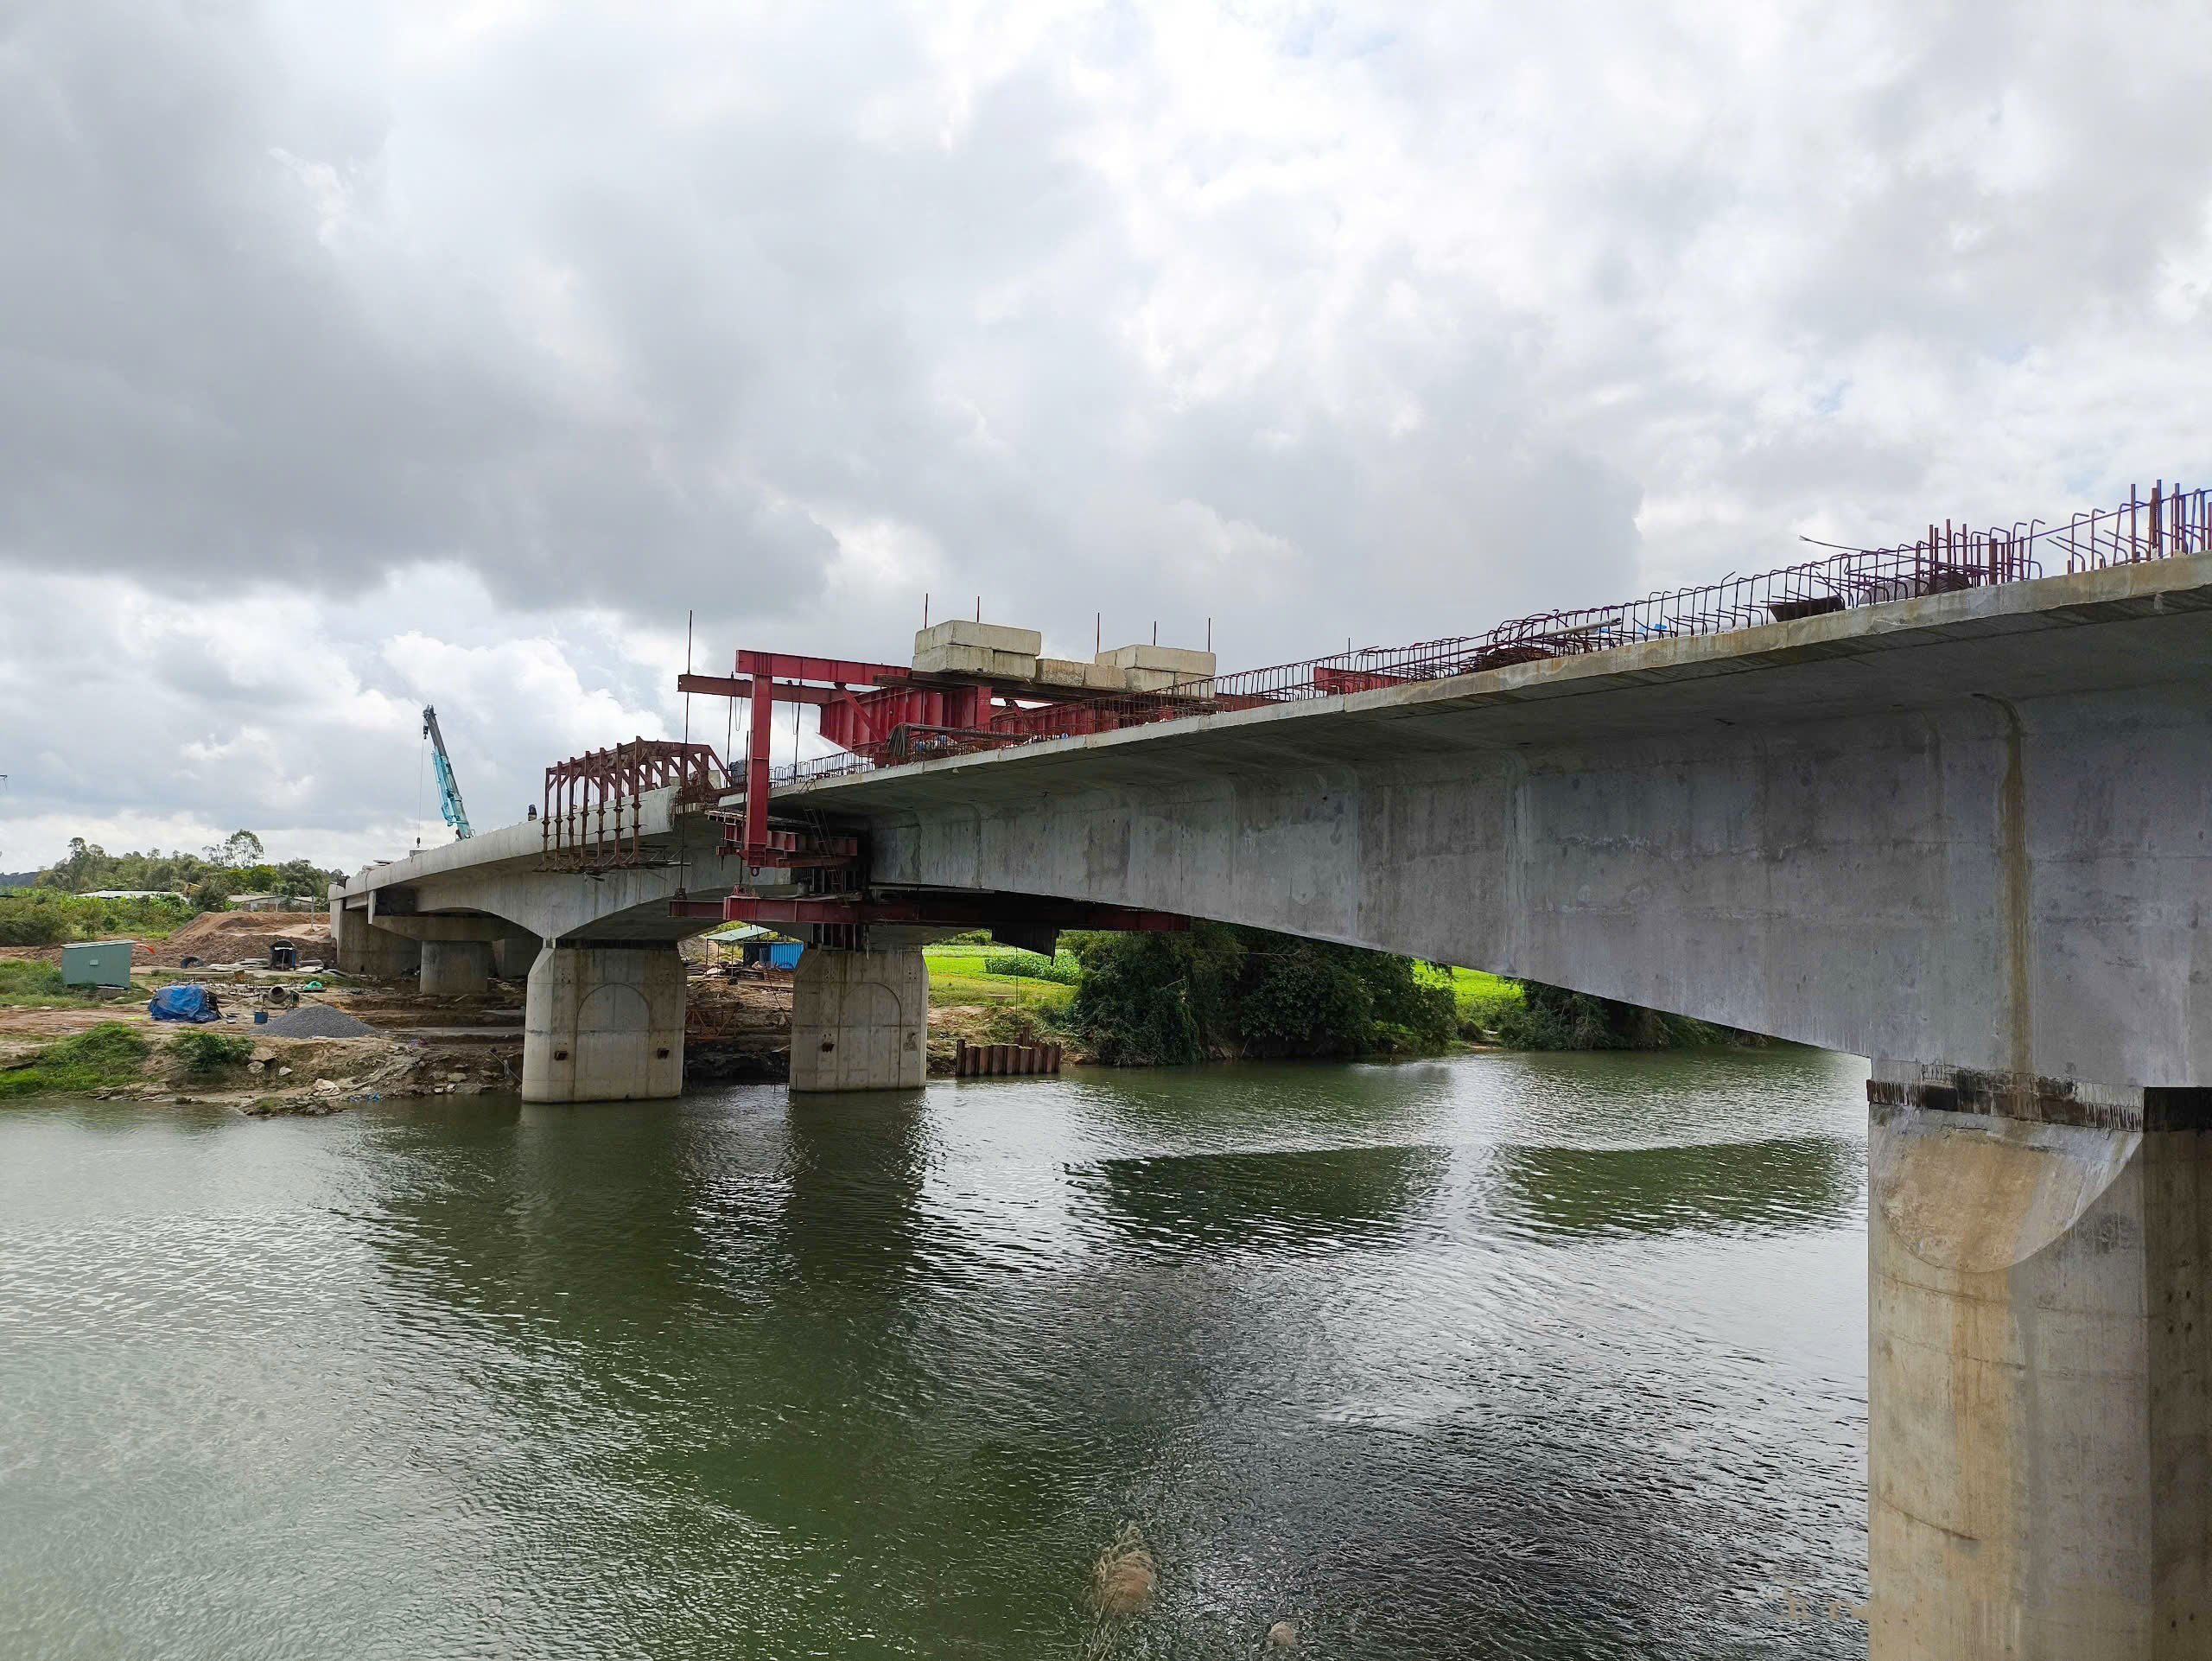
(1711, 1187)
(1271, 1204)
(1529, 1356)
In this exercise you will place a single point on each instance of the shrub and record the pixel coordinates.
(1155, 998)
(1415, 1010)
(32, 917)
(1061, 971)
(204, 1052)
(1007, 1024)
(47, 917)
(1555, 1018)
(1306, 1000)
(1181, 998)
(109, 1053)
(28, 977)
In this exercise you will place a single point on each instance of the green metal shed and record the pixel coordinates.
(98, 963)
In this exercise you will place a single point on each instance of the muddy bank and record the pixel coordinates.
(735, 1031)
(263, 1075)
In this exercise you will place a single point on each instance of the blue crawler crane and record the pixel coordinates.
(448, 786)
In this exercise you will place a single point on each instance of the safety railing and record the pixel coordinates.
(1948, 559)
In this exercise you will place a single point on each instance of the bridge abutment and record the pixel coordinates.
(2039, 1369)
(451, 968)
(860, 1021)
(604, 1024)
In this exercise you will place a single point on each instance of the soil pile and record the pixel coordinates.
(221, 937)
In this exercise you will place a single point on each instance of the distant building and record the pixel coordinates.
(257, 902)
(129, 894)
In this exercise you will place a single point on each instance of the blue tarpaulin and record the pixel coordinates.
(183, 1004)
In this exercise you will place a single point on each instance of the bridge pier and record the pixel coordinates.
(860, 1021)
(513, 957)
(604, 1023)
(362, 948)
(451, 968)
(2039, 1370)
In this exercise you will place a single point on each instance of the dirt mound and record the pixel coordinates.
(246, 937)
(721, 1008)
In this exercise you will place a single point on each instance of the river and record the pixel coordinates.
(1498, 1355)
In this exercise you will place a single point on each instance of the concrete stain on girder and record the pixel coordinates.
(2016, 900)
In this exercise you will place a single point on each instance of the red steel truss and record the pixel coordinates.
(884, 712)
(589, 816)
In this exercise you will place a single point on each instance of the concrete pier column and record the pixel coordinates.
(452, 967)
(361, 948)
(512, 957)
(2039, 1370)
(604, 1024)
(860, 1021)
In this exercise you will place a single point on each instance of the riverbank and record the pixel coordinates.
(737, 1031)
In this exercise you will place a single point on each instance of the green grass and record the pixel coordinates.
(1482, 999)
(208, 1052)
(25, 983)
(109, 1053)
(960, 972)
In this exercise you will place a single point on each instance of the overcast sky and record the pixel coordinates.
(360, 356)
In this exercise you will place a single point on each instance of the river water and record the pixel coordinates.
(1499, 1356)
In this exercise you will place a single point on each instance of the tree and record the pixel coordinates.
(77, 871)
(303, 876)
(1213, 990)
(239, 849)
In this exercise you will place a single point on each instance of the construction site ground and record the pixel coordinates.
(737, 1029)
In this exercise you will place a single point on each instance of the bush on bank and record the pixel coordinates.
(1214, 990)
(1554, 1018)
(109, 1053)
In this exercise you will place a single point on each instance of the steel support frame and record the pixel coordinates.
(768, 678)
(581, 792)
(933, 908)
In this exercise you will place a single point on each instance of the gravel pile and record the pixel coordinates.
(316, 1021)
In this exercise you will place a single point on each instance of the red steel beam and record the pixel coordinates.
(939, 907)
(840, 671)
(737, 687)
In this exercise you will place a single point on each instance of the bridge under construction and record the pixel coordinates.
(1946, 805)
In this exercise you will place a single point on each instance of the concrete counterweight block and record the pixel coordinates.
(604, 1024)
(860, 1021)
(2039, 1387)
(963, 647)
(451, 968)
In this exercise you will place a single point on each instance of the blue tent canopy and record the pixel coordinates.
(183, 1003)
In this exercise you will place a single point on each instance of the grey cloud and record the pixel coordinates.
(791, 319)
(1390, 323)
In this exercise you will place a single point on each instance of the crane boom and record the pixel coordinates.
(448, 786)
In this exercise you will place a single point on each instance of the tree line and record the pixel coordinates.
(57, 905)
(238, 864)
(1215, 990)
